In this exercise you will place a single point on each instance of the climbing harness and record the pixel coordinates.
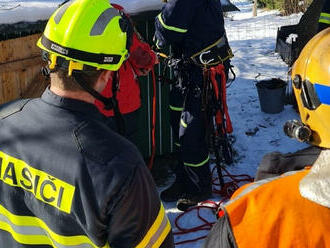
(217, 120)
(216, 53)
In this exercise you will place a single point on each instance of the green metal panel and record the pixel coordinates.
(145, 25)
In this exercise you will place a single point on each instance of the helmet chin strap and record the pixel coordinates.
(109, 103)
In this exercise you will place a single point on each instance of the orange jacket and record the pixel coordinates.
(128, 95)
(272, 213)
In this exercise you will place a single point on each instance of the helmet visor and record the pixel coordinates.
(309, 95)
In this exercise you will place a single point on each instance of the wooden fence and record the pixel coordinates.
(20, 64)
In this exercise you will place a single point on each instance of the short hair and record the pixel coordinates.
(66, 82)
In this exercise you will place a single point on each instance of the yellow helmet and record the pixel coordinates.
(86, 32)
(311, 85)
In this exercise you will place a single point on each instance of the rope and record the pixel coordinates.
(220, 70)
(225, 192)
(153, 125)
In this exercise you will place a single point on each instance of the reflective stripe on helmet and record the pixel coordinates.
(103, 21)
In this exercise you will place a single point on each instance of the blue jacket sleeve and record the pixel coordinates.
(174, 21)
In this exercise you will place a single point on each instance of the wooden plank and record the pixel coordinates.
(10, 89)
(36, 85)
(19, 48)
(21, 64)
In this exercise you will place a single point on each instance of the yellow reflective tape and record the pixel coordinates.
(208, 47)
(26, 239)
(325, 14)
(177, 144)
(176, 108)
(163, 236)
(199, 164)
(32, 230)
(183, 123)
(153, 229)
(43, 186)
(325, 20)
(157, 44)
(179, 30)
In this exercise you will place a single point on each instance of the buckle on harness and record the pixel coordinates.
(205, 62)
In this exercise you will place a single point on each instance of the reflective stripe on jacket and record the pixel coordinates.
(68, 181)
(324, 20)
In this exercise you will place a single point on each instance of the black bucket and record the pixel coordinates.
(271, 95)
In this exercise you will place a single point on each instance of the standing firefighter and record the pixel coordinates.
(66, 179)
(290, 210)
(195, 31)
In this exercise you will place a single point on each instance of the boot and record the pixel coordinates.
(177, 189)
(198, 185)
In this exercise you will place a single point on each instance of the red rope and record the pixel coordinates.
(153, 128)
(225, 192)
(220, 70)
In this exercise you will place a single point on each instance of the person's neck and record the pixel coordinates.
(77, 95)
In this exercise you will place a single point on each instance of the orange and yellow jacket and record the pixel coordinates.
(292, 210)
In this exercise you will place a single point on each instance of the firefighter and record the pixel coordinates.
(140, 62)
(324, 20)
(195, 30)
(66, 179)
(289, 210)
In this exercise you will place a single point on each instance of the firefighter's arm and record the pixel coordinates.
(174, 21)
(139, 218)
(221, 235)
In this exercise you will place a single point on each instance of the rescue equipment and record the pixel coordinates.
(216, 53)
(217, 120)
(297, 130)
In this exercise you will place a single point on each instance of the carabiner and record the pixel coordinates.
(202, 60)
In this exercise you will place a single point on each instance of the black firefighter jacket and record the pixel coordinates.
(189, 25)
(67, 180)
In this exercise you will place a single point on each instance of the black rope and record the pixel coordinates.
(108, 102)
(120, 123)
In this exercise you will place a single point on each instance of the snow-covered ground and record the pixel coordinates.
(253, 42)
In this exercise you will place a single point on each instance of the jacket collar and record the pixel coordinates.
(315, 186)
(84, 108)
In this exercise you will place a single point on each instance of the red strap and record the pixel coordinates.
(220, 70)
(153, 152)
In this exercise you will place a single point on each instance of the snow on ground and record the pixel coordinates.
(253, 42)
